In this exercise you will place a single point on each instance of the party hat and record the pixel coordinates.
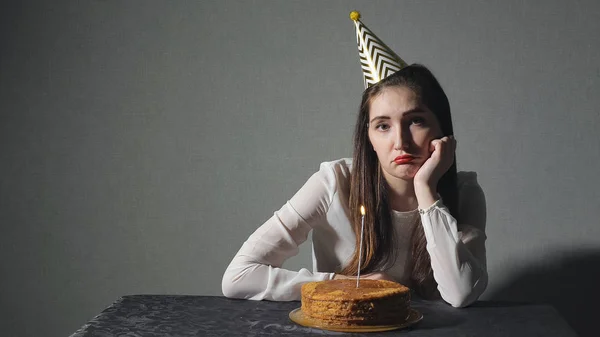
(377, 60)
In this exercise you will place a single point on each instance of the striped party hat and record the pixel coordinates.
(377, 60)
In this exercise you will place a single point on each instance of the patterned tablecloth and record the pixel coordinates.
(164, 315)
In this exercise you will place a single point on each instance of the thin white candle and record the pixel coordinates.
(362, 229)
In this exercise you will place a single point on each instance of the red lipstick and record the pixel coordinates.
(403, 159)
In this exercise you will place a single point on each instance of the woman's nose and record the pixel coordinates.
(402, 140)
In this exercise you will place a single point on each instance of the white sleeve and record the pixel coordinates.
(255, 272)
(458, 258)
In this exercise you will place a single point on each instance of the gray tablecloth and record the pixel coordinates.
(163, 315)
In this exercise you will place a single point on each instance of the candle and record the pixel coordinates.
(362, 229)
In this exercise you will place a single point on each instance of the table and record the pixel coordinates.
(166, 315)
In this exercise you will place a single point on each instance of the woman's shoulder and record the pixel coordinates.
(466, 179)
(342, 166)
(328, 184)
(468, 186)
(335, 174)
(471, 202)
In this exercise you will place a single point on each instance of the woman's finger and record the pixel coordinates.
(433, 145)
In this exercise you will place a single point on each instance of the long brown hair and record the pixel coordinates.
(368, 187)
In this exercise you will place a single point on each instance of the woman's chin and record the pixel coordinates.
(407, 171)
(407, 177)
(404, 172)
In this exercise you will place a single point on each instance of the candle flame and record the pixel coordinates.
(362, 210)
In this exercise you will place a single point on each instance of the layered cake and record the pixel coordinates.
(340, 302)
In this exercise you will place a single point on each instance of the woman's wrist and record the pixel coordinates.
(424, 185)
(426, 195)
(339, 277)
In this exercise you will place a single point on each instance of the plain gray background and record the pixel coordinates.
(141, 142)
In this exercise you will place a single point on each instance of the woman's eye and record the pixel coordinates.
(418, 121)
(382, 127)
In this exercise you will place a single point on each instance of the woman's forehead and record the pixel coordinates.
(395, 101)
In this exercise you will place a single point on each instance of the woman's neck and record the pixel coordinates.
(401, 194)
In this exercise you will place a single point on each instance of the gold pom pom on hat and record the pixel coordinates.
(354, 15)
(377, 60)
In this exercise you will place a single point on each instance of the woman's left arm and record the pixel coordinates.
(458, 257)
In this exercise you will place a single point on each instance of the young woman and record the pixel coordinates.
(424, 223)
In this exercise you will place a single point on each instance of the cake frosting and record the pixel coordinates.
(340, 302)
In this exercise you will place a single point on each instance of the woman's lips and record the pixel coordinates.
(404, 159)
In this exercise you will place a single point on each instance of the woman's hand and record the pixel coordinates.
(372, 276)
(378, 276)
(442, 157)
(426, 179)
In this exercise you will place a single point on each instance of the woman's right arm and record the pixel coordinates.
(255, 272)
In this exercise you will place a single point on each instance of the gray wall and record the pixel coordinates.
(141, 142)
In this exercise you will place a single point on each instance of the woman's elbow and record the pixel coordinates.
(466, 297)
(236, 284)
(461, 301)
(230, 288)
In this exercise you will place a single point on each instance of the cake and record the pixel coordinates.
(340, 302)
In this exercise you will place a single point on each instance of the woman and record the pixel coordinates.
(424, 224)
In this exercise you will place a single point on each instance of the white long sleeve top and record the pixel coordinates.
(458, 258)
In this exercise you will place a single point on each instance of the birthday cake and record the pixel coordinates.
(340, 302)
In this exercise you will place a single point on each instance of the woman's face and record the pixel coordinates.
(401, 130)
